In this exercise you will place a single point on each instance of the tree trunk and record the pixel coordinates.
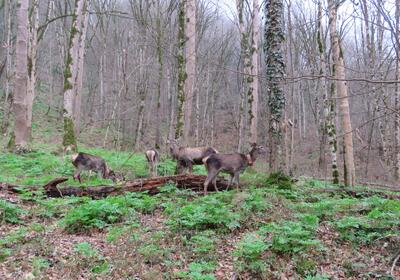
(328, 124)
(246, 80)
(160, 58)
(275, 69)
(397, 96)
(181, 70)
(7, 100)
(253, 98)
(21, 129)
(32, 57)
(70, 74)
(190, 58)
(337, 54)
(80, 68)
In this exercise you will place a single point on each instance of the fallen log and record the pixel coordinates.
(183, 181)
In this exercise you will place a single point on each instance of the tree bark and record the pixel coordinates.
(21, 129)
(80, 68)
(32, 58)
(190, 58)
(70, 74)
(337, 54)
(8, 98)
(397, 96)
(253, 99)
(181, 71)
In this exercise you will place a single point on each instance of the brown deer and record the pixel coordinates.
(152, 156)
(187, 157)
(233, 164)
(83, 161)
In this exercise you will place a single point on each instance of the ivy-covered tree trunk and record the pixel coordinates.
(69, 138)
(344, 108)
(21, 129)
(253, 87)
(181, 70)
(275, 69)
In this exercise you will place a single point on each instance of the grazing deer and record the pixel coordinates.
(83, 161)
(187, 157)
(233, 164)
(152, 156)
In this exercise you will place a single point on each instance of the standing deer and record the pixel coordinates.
(187, 157)
(152, 156)
(233, 164)
(83, 161)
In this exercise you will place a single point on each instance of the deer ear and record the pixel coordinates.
(253, 145)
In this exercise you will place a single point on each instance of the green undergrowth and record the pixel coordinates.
(272, 225)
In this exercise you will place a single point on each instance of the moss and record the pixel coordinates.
(69, 139)
(11, 142)
(335, 174)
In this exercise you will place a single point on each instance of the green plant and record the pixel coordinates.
(280, 180)
(381, 218)
(306, 266)
(39, 264)
(88, 256)
(249, 253)
(203, 213)
(203, 245)
(95, 214)
(199, 271)
(293, 236)
(151, 253)
(10, 213)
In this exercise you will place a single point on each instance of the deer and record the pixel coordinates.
(84, 161)
(233, 164)
(152, 156)
(187, 157)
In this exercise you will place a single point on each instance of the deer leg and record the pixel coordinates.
(210, 177)
(230, 182)
(190, 166)
(77, 174)
(214, 181)
(237, 180)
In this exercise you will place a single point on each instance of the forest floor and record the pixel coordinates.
(272, 228)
